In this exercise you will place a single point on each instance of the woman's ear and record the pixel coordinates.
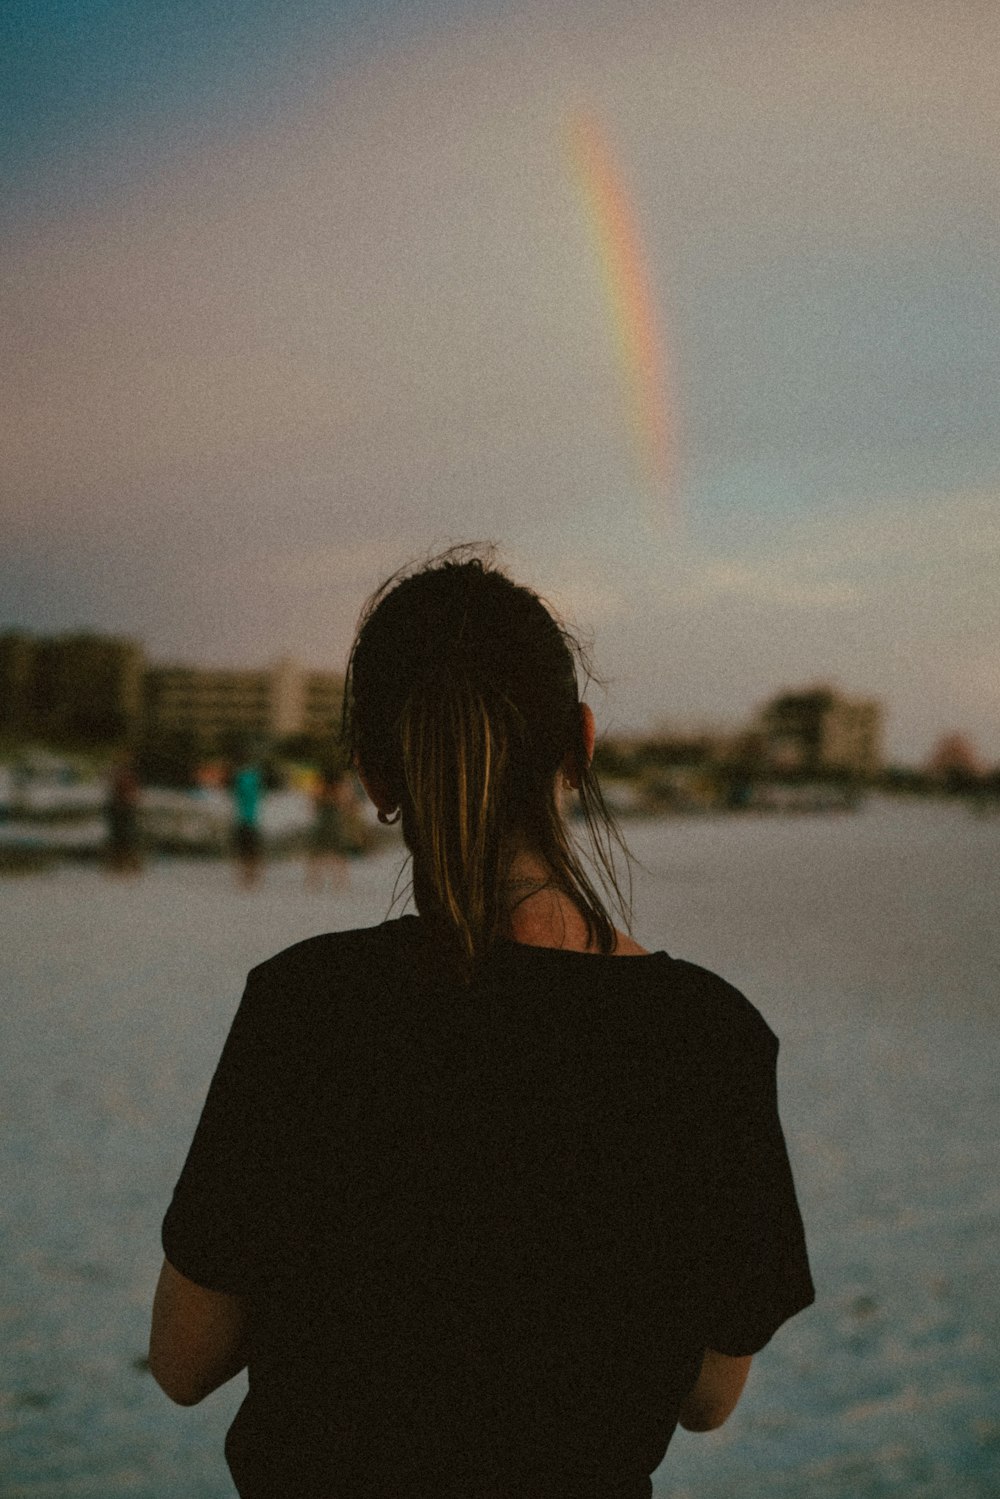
(571, 769)
(376, 789)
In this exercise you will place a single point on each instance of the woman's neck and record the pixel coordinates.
(540, 913)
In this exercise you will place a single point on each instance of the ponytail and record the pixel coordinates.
(456, 756)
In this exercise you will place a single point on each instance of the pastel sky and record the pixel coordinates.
(294, 293)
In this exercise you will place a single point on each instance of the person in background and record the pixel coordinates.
(488, 1197)
(122, 810)
(247, 789)
(330, 840)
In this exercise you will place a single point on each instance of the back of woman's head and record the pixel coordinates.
(462, 703)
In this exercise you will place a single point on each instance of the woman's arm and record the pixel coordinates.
(716, 1391)
(197, 1340)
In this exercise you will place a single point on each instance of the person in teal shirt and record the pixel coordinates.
(247, 792)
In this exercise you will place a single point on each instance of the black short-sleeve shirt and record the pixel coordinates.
(485, 1233)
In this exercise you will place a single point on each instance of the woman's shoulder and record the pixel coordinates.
(317, 987)
(718, 1008)
(331, 953)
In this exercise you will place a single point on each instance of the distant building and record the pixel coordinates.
(953, 756)
(819, 731)
(17, 666)
(323, 698)
(216, 704)
(99, 688)
(77, 686)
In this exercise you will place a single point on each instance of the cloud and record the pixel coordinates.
(940, 535)
(784, 582)
(394, 285)
(250, 385)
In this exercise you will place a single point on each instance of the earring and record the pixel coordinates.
(389, 817)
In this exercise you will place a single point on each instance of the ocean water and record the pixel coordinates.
(871, 944)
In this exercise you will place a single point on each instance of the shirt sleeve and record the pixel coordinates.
(758, 1268)
(216, 1228)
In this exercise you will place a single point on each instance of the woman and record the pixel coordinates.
(247, 789)
(488, 1198)
(124, 838)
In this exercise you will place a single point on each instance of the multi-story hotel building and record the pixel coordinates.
(101, 688)
(818, 729)
(65, 686)
(263, 704)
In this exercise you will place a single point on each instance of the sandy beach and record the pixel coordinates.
(870, 943)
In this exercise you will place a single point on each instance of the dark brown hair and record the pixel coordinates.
(462, 698)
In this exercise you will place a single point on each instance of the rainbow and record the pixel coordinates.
(630, 297)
